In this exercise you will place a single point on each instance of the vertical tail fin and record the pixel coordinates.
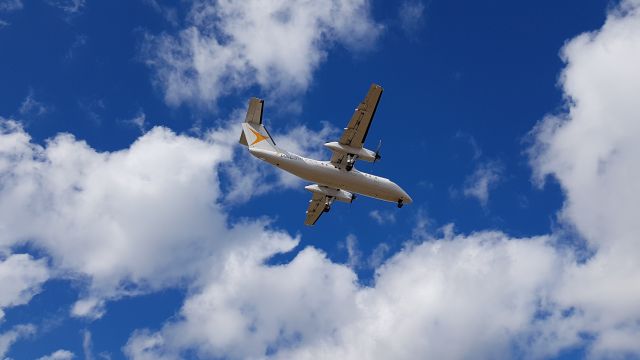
(254, 134)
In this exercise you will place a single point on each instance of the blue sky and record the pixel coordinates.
(134, 226)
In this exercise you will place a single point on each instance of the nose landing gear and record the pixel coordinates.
(400, 203)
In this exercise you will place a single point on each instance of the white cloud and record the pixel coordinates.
(58, 355)
(232, 45)
(127, 222)
(232, 323)
(139, 120)
(20, 279)
(484, 178)
(170, 14)
(411, 14)
(378, 255)
(93, 109)
(9, 337)
(68, 6)
(473, 143)
(31, 107)
(11, 5)
(592, 150)
(482, 290)
(87, 345)
(383, 217)
(354, 254)
(307, 142)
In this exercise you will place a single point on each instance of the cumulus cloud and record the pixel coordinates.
(592, 150)
(58, 355)
(20, 279)
(124, 222)
(482, 290)
(232, 45)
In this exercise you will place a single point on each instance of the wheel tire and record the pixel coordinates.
(327, 208)
(400, 204)
(348, 167)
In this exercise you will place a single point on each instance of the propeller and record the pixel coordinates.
(378, 151)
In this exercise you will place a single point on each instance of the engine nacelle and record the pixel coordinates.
(339, 195)
(361, 153)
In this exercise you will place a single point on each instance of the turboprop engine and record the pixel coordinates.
(339, 195)
(360, 153)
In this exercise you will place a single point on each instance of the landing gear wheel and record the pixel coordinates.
(351, 159)
(326, 208)
(400, 203)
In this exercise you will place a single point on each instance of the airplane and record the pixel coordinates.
(336, 179)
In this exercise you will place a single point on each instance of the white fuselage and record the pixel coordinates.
(324, 173)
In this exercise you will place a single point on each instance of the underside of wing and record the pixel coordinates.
(315, 209)
(339, 159)
(356, 132)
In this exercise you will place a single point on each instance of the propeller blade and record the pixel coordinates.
(378, 151)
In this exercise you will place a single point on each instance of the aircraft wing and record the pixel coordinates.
(315, 209)
(356, 131)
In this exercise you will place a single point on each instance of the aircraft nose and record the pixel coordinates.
(406, 199)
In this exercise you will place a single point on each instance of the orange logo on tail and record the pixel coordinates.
(259, 137)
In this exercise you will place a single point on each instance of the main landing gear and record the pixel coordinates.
(351, 159)
(400, 203)
(327, 204)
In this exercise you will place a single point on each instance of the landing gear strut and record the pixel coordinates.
(400, 203)
(351, 159)
(327, 205)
